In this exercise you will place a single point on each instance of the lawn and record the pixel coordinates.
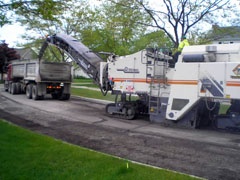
(87, 92)
(86, 84)
(82, 80)
(27, 155)
(91, 94)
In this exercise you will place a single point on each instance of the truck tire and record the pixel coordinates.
(41, 97)
(64, 97)
(55, 95)
(35, 93)
(18, 88)
(14, 88)
(29, 91)
(6, 85)
(10, 88)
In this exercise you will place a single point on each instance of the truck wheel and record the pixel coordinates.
(29, 91)
(41, 97)
(10, 88)
(55, 95)
(18, 88)
(64, 97)
(35, 92)
(6, 85)
(14, 88)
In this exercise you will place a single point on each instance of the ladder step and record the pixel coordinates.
(156, 74)
(149, 76)
(153, 98)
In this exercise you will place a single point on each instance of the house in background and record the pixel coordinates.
(27, 53)
(225, 35)
(78, 72)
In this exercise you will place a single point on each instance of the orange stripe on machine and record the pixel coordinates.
(141, 80)
(184, 82)
(233, 83)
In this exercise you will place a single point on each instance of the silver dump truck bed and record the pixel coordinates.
(38, 78)
(42, 71)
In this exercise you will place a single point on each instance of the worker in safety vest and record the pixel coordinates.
(184, 42)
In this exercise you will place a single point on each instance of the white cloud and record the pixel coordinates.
(12, 34)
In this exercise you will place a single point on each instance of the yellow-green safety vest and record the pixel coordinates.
(183, 44)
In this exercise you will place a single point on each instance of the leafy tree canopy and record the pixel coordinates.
(44, 9)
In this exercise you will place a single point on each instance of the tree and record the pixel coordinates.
(157, 39)
(112, 27)
(177, 17)
(71, 21)
(44, 9)
(117, 26)
(6, 55)
(28, 12)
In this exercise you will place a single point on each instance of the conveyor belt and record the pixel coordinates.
(82, 55)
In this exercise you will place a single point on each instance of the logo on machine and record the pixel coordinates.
(128, 70)
(236, 71)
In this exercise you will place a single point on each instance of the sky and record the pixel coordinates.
(12, 34)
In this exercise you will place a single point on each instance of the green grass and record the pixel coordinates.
(95, 94)
(91, 94)
(27, 155)
(82, 80)
(87, 85)
(87, 92)
(223, 108)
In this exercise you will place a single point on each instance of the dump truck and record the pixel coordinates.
(39, 78)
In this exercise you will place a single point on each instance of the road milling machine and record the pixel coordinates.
(201, 89)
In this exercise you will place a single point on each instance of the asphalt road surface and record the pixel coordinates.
(203, 153)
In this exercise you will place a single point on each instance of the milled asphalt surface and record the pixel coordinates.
(203, 153)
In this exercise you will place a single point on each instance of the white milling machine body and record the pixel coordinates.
(195, 91)
(189, 93)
